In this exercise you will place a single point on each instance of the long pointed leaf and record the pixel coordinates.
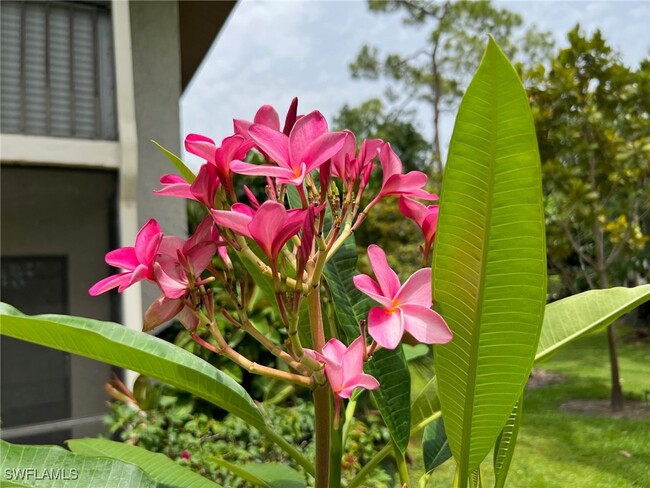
(569, 318)
(178, 163)
(435, 447)
(53, 466)
(267, 475)
(158, 466)
(505, 445)
(389, 367)
(126, 348)
(489, 269)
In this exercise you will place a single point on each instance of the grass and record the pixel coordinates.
(558, 449)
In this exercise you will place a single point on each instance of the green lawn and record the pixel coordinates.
(557, 449)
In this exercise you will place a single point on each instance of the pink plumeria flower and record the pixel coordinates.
(395, 183)
(177, 267)
(404, 307)
(344, 367)
(307, 147)
(137, 260)
(232, 148)
(270, 226)
(425, 217)
(203, 189)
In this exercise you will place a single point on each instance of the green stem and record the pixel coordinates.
(335, 457)
(402, 469)
(322, 394)
(349, 416)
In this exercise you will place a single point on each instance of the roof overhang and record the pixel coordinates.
(200, 23)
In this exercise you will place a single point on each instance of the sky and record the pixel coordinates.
(272, 50)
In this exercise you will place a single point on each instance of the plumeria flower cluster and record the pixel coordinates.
(315, 181)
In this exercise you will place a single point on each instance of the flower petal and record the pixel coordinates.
(242, 168)
(334, 351)
(416, 290)
(200, 146)
(353, 358)
(413, 210)
(267, 224)
(386, 277)
(425, 325)
(321, 149)
(232, 220)
(124, 258)
(271, 142)
(147, 241)
(367, 285)
(361, 381)
(109, 283)
(160, 311)
(390, 163)
(305, 130)
(174, 186)
(266, 115)
(386, 326)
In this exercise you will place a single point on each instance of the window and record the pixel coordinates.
(57, 73)
(35, 380)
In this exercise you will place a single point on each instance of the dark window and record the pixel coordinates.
(57, 69)
(35, 383)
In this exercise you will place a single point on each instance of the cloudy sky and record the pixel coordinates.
(270, 51)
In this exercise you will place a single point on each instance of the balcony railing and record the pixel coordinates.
(57, 73)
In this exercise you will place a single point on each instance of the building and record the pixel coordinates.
(85, 86)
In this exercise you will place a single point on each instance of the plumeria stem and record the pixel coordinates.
(349, 416)
(322, 395)
(225, 350)
(248, 254)
(335, 453)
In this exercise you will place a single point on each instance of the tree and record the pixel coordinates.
(437, 73)
(592, 115)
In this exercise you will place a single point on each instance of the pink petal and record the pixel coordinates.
(321, 149)
(148, 235)
(296, 178)
(170, 245)
(346, 153)
(292, 116)
(335, 375)
(241, 127)
(353, 358)
(160, 311)
(124, 258)
(228, 151)
(205, 185)
(425, 325)
(334, 350)
(200, 146)
(315, 355)
(295, 221)
(271, 142)
(172, 286)
(244, 209)
(232, 220)
(360, 381)
(408, 184)
(204, 232)
(267, 224)
(416, 290)
(369, 150)
(390, 163)
(430, 223)
(188, 318)
(386, 277)
(174, 186)
(140, 273)
(267, 116)
(386, 326)
(109, 283)
(306, 130)
(413, 210)
(201, 256)
(242, 168)
(367, 285)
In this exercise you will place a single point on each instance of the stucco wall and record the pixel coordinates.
(156, 65)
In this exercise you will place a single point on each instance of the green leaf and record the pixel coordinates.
(415, 352)
(476, 478)
(126, 348)
(267, 475)
(435, 447)
(489, 268)
(426, 406)
(158, 466)
(178, 163)
(389, 367)
(505, 445)
(53, 466)
(572, 317)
